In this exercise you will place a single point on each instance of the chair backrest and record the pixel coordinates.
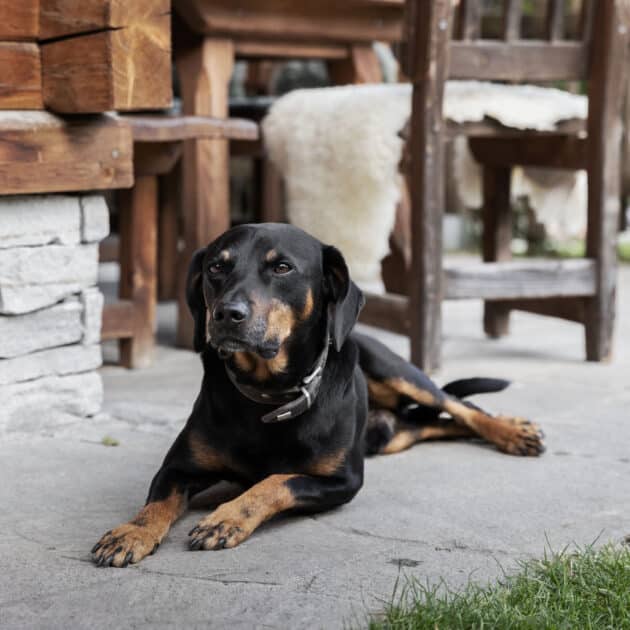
(560, 52)
(455, 33)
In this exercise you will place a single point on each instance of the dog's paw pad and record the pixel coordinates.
(523, 438)
(125, 544)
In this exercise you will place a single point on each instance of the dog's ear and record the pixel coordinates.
(345, 298)
(195, 300)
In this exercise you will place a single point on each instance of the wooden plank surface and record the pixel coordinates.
(127, 68)
(289, 20)
(59, 18)
(164, 128)
(252, 49)
(520, 279)
(118, 319)
(518, 61)
(19, 20)
(20, 76)
(41, 153)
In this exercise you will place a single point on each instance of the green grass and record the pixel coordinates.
(587, 589)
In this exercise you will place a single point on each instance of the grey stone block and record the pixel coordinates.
(54, 362)
(94, 218)
(15, 300)
(39, 220)
(52, 264)
(48, 402)
(59, 325)
(92, 300)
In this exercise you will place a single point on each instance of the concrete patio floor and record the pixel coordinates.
(440, 510)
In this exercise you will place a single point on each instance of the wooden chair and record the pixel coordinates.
(158, 146)
(443, 41)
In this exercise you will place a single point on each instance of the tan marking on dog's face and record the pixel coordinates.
(272, 254)
(280, 321)
(308, 305)
(405, 388)
(244, 361)
(233, 522)
(382, 394)
(327, 465)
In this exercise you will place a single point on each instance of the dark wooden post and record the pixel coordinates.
(430, 25)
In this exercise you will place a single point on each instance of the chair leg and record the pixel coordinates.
(204, 74)
(138, 269)
(497, 238)
(361, 66)
(168, 233)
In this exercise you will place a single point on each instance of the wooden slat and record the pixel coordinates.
(361, 66)
(520, 279)
(386, 311)
(170, 128)
(553, 151)
(41, 153)
(512, 16)
(19, 20)
(555, 20)
(128, 68)
(60, 18)
(520, 61)
(323, 21)
(469, 26)
(569, 308)
(253, 49)
(587, 17)
(489, 128)
(118, 320)
(20, 76)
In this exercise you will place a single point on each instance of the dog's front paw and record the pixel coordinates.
(521, 437)
(217, 531)
(127, 543)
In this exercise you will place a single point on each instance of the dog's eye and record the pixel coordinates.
(282, 268)
(216, 267)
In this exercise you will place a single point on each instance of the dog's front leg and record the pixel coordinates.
(132, 541)
(233, 522)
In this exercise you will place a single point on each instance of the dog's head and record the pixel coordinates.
(259, 289)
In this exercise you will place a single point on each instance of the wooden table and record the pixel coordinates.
(210, 34)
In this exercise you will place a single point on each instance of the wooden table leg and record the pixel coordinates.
(168, 233)
(138, 255)
(204, 74)
(361, 66)
(497, 240)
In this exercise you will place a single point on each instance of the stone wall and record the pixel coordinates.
(50, 309)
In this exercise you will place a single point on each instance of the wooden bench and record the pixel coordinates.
(442, 43)
(158, 146)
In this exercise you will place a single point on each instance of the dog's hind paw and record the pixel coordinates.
(520, 437)
(127, 543)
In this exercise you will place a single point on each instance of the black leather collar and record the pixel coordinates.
(293, 401)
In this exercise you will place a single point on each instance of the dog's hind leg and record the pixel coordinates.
(387, 435)
(394, 384)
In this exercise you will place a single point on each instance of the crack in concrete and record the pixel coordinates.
(200, 578)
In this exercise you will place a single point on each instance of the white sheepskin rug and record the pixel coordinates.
(338, 151)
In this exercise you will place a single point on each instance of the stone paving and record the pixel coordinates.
(440, 510)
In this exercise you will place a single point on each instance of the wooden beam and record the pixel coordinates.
(160, 128)
(512, 16)
(386, 311)
(570, 308)
(255, 49)
(555, 20)
(520, 279)
(124, 68)
(60, 18)
(20, 76)
(469, 25)
(42, 153)
(19, 20)
(553, 151)
(117, 320)
(518, 61)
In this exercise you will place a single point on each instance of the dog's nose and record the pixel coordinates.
(232, 312)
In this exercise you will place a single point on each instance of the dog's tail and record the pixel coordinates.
(468, 386)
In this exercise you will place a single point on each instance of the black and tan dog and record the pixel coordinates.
(291, 401)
